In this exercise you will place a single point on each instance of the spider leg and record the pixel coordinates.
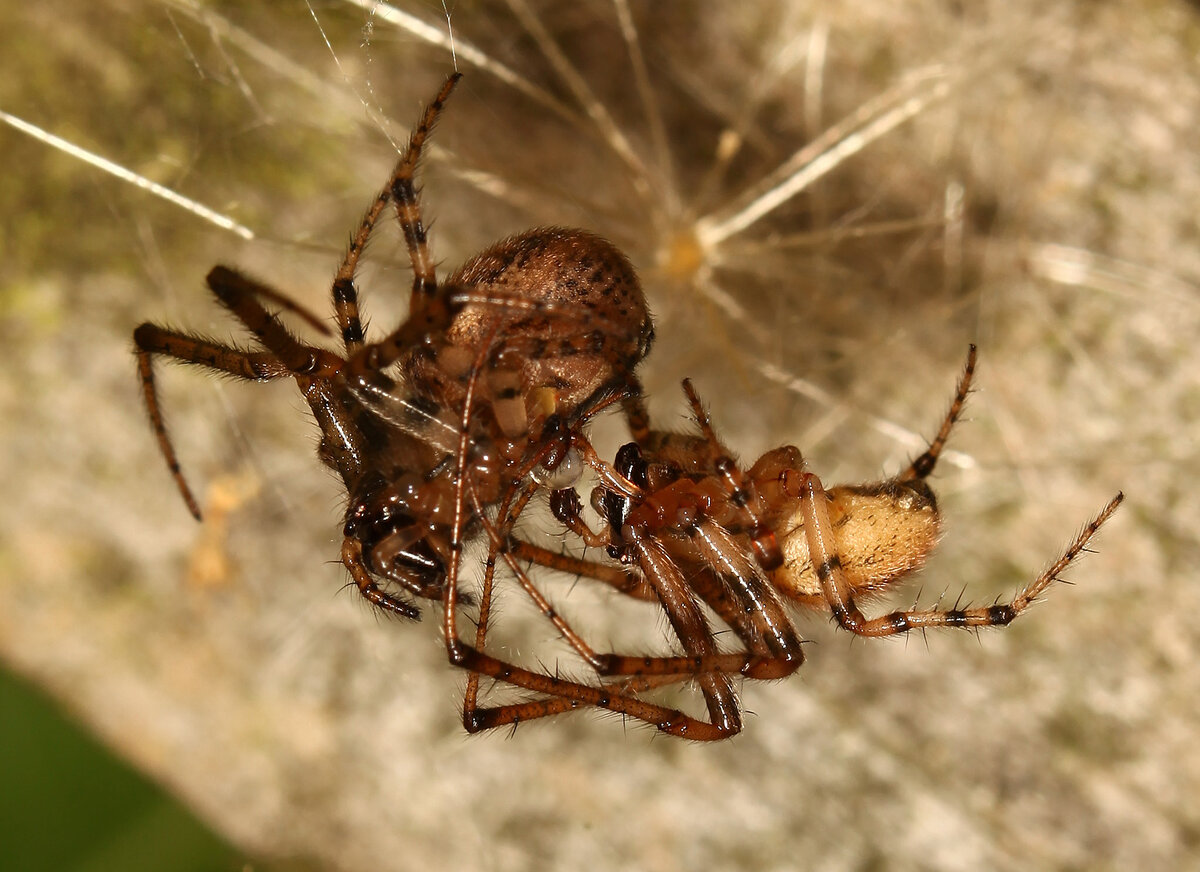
(636, 414)
(735, 611)
(716, 688)
(288, 304)
(725, 575)
(399, 188)
(739, 491)
(747, 604)
(428, 311)
(621, 580)
(352, 558)
(745, 599)
(286, 355)
(471, 693)
(488, 717)
(408, 207)
(562, 696)
(342, 443)
(151, 340)
(923, 465)
(691, 628)
(499, 538)
(838, 592)
(754, 622)
(759, 626)
(241, 295)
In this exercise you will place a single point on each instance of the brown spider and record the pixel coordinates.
(696, 530)
(474, 401)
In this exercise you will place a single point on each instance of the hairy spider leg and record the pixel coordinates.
(508, 514)
(314, 368)
(621, 580)
(399, 188)
(352, 559)
(702, 659)
(241, 295)
(636, 413)
(561, 696)
(408, 207)
(837, 590)
(151, 340)
(736, 612)
(753, 610)
(740, 495)
(428, 311)
(691, 627)
(735, 588)
(503, 544)
(286, 355)
(923, 465)
(839, 596)
(289, 305)
(758, 620)
(762, 622)
(499, 537)
(742, 617)
(709, 668)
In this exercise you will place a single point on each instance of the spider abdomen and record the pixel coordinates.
(564, 315)
(882, 532)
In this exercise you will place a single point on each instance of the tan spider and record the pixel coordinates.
(697, 531)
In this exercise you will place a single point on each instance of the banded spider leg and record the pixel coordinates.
(859, 539)
(318, 372)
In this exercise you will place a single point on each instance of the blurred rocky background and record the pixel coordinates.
(827, 203)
